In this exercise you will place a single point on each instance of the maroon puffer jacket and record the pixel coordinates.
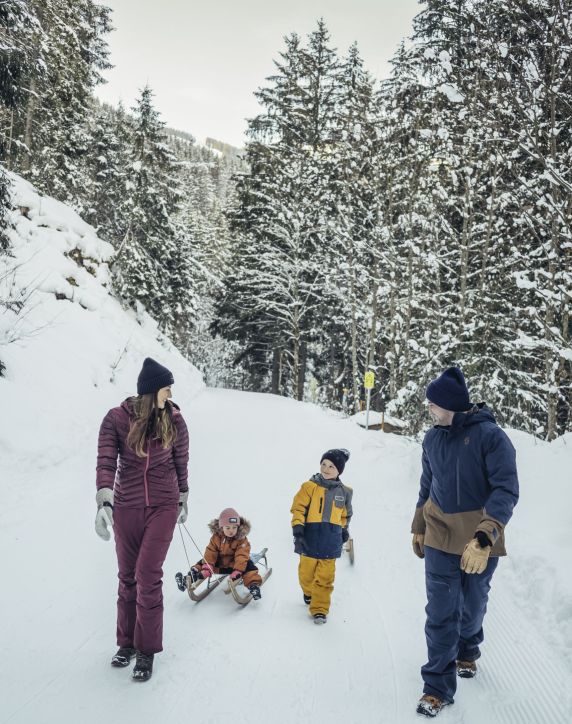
(154, 480)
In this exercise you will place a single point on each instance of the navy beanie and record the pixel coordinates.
(153, 377)
(338, 457)
(449, 391)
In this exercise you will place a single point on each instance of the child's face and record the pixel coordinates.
(230, 530)
(329, 470)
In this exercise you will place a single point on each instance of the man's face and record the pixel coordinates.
(439, 415)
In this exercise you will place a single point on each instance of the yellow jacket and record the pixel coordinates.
(324, 508)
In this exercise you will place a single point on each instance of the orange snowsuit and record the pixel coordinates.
(225, 555)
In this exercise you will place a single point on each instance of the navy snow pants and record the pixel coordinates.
(142, 539)
(456, 607)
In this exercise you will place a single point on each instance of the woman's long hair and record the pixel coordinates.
(150, 423)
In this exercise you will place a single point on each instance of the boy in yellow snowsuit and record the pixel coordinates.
(321, 513)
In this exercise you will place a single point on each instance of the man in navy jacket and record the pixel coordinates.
(469, 487)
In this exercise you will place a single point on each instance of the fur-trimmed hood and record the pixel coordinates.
(243, 528)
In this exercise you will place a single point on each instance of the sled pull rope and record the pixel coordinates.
(182, 525)
(184, 547)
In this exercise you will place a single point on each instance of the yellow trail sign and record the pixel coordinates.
(369, 380)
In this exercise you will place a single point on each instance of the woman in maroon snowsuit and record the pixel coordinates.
(142, 493)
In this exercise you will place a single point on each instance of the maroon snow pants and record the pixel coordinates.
(142, 539)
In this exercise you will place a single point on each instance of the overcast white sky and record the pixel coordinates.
(205, 58)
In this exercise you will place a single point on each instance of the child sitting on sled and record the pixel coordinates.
(321, 513)
(228, 552)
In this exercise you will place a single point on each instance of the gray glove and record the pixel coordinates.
(104, 517)
(183, 507)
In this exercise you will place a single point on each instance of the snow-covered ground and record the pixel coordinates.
(267, 661)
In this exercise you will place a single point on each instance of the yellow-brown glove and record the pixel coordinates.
(419, 544)
(475, 558)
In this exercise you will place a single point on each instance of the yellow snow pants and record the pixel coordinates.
(316, 578)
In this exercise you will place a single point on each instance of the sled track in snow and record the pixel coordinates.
(396, 710)
(517, 659)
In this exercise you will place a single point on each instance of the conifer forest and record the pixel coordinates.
(399, 225)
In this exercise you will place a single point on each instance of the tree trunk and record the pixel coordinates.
(301, 371)
(29, 126)
(275, 371)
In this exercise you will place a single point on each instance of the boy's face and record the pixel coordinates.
(329, 470)
(230, 530)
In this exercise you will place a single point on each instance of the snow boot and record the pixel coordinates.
(320, 618)
(123, 656)
(143, 667)
(195, 575)
(181, 581)
(466, 669)
(430, 705)
(255, 591)
(307, 600)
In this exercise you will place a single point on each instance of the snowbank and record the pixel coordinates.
(69, 348)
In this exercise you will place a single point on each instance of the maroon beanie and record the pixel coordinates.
(229, 516)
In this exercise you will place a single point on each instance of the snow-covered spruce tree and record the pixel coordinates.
(461, 310)
(18, 26)
(531, 46)
(351, 256)
(107, 170)
(407, 281)
(492, 111)
(66, 52)
(151, 265)
(282, 217)
(205, 190)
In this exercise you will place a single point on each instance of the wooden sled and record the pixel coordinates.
(242, 600)
(349, 548)
(209, 588)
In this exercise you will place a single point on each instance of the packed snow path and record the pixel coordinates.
(266, 662)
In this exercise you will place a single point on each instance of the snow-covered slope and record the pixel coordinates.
(70, 350)
(266, 662)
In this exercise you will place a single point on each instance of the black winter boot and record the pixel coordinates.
(255, 591)
(181, 581)
(320, 618)
(430, 705)
(143, 667)
(123, 656)
(307, 600)
(195, 575)
(466, 669)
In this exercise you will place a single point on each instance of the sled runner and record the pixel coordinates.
(242, 600)
(209, 588)
(349, 548)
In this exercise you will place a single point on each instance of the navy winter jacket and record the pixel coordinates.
(469, 480)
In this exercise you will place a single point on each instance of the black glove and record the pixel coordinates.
(345, 535)
(299, 542)
(483, 538)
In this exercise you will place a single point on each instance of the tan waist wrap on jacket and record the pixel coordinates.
(450, 532)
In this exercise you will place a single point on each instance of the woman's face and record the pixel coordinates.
(230, 530)
(329, 470)
(163, 395)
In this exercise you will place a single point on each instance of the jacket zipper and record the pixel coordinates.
(458, 485)
(145, 474)
(321, 501)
